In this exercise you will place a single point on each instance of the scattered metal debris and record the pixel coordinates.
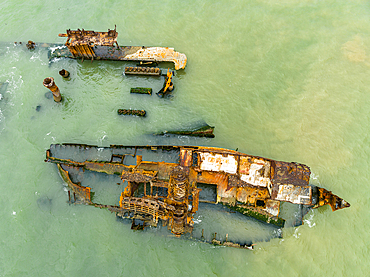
(168, 85)
(31, 45)
(92, 45)
(203, 131)
(147, 64)
(227, 243)
(49, 83)
(170, 189)
(64, 73)
(132, 112)
(141, 90)
(151, 71)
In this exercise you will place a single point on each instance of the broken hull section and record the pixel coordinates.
(124, 53)
(167, 184)
(203, 131)
(83, 44)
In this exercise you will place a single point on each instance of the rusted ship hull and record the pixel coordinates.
(83, 44)
(164, 183)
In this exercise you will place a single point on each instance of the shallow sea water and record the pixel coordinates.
(286, 80)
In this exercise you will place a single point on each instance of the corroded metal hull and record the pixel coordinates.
(92, 45)
(164, 183)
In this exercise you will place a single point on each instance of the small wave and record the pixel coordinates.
(309, 220)
(52, 49)
(198, 220)
(296, 233)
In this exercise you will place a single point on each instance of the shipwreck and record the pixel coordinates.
(91, 45)
(203, 130)
(164, 184)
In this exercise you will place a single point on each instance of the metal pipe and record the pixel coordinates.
(64, 73)
(49, 83)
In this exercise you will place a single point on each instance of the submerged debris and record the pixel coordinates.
(168, 186)
(204, 131)
(31, 45)
(131, 112)
(151, 71)
(45, 203)
(48, 95)
(3, 87)
(168, 85)
(141, 90)
(64, 73)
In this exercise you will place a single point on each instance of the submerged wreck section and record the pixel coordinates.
(139, 70)
(3, 87)
(202, 131)
(131, 112)
(164, 183)
(93, 45)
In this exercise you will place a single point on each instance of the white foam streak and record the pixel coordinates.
(52, 49)
(309, 220)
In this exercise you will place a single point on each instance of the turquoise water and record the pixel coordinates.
(286, 80)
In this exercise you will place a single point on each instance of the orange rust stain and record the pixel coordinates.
(249, 194)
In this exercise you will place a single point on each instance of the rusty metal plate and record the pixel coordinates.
(218, 162)
(295, 194)
(254, 171)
